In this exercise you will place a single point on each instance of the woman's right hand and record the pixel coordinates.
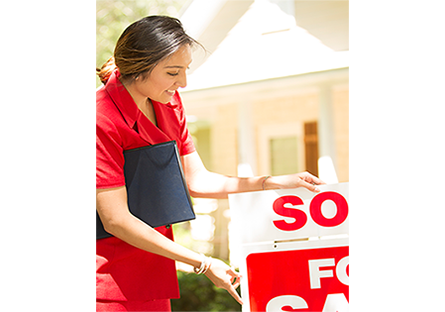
(224, 277)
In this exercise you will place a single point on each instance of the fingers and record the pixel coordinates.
(310, 181)
(234, 294)
(235, 282)
(225, 277)
(317, 180)
(311, 178)
(311, 187)
(236, 278)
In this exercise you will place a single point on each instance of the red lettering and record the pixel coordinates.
(299, 215)
(340, 202)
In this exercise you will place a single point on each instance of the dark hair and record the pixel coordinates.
(143, 45)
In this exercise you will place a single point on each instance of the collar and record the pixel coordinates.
(131, 113)
(122, 99)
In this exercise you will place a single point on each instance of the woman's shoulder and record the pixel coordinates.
(102, 97)
(104, 104)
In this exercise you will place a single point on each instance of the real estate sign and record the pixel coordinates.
(294, 248)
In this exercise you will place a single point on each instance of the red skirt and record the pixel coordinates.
(126, 275)
(162, 305)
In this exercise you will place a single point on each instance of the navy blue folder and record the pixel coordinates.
(156, 188)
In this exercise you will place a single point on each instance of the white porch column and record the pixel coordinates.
(246, 140)
(326, 138)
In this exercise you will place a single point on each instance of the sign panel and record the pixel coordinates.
(308, 280)
(289, 214)
(289, 248)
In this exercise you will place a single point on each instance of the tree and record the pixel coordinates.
(113, 16)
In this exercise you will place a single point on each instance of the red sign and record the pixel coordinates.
(315, 279)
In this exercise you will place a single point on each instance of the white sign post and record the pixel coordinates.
(292, 248)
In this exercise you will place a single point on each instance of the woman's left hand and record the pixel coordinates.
(224, 277)
(303, 179)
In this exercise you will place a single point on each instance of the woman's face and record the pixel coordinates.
(165, 78)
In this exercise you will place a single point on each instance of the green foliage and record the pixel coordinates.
(198, 293)
(113, 16)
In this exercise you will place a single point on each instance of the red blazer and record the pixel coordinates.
(124, 272)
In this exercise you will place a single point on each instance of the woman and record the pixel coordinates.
(139, 105)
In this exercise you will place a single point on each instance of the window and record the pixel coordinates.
(283, 155)
(280, 148)
(288, 148)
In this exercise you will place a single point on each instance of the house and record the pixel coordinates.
(270, 94)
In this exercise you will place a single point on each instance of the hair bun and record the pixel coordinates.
(106, 70)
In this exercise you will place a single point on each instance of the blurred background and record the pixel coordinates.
(268, 96)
